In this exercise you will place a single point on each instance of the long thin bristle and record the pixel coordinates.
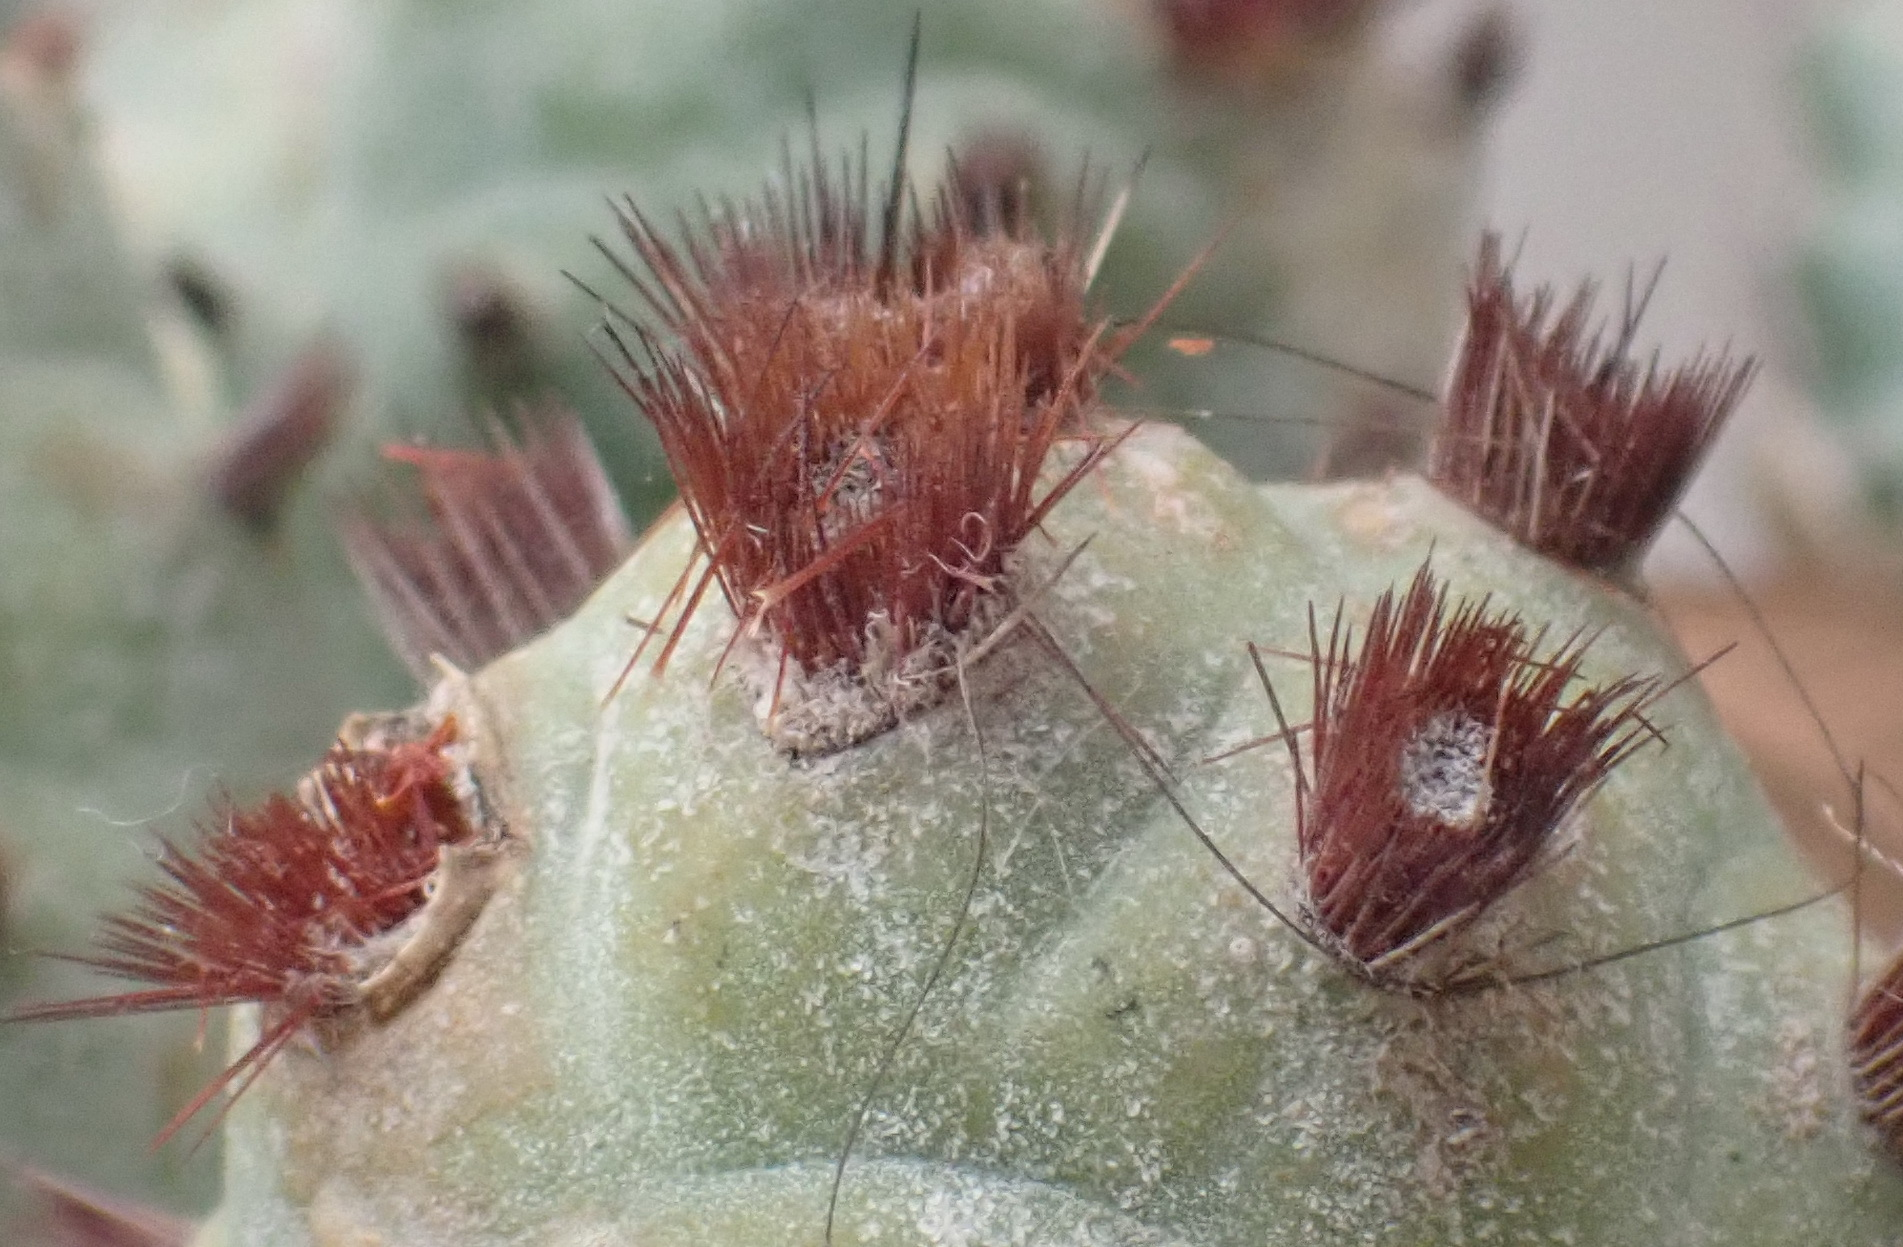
(516, 538)
(1444, 757)
(1555, 432)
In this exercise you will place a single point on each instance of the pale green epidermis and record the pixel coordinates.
(661, 1027)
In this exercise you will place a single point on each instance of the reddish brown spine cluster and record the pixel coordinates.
(516, 538)
(859, 422)
(277, 904)
(1876, 1055)
(1445, 755)
(1555, 432)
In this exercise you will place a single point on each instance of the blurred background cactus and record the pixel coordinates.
(1851, 273)
(416, 177)
(158, 634)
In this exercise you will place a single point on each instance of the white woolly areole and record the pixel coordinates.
(808, 713)
(1444, 770)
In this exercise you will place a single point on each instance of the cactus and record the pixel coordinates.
(956, 862)
(921, 837)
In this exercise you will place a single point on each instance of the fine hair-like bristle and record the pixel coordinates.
(859, 426)
(275, 905)
(1876, 1055)
(1445, 755)
(1552, 430)
(516, 538)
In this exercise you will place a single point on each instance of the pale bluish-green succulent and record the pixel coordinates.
(1850, 271)
(151, 645)
(699, 951)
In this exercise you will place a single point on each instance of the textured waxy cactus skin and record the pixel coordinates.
(661, 1026)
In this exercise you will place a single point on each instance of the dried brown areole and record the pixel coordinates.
(303, 904)
(1553, 431)
(1876, 1055)
(1445, 756)
(516, 538)
(860, 424)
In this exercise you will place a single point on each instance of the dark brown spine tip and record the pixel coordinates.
(280, 435)
(1445, 755)
(1876, 1055)
(860, 457)
(495, 323)
(1554, 431)
(515, 539)
(72, 1215)
(202, 293)
(278, 905)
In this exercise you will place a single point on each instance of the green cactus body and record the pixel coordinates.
(700, 953)
(662, 1025)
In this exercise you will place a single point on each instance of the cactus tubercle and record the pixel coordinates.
(317, 905)
(1448, 751)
